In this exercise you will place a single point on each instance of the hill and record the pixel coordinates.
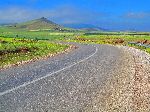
(38, 24)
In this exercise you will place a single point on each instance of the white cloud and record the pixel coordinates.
(14, 14)
(137, 15)
(63, 14)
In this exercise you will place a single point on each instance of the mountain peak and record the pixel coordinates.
(43, 18)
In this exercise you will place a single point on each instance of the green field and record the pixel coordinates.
(115, 39)
(111, 38)
(37, 35)
(14, 50)
(18, 45)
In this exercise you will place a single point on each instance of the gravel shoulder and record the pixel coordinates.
(140, 83)
(129, 88)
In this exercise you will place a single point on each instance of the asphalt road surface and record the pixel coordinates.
(65, 83)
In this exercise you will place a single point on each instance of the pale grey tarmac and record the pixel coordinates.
(70, 90)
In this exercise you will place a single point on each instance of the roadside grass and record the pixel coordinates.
(14, 50)
(115, 40)
(148, 50)
(111, 38)
(141, 48)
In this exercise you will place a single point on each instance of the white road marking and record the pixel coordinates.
(31, 82)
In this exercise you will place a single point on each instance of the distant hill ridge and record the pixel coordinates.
(45, 24)
(86, 27)
(37, 24)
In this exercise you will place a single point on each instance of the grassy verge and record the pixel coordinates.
(13, 50)
(114, 39)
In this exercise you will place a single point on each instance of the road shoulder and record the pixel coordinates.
(128, 89)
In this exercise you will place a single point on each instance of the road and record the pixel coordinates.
(65, 83)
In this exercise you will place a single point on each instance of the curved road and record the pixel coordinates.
(67, 82)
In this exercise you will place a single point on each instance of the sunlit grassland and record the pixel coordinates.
(20, 45)
(114, 39)
(17, 50)
(126, 38)
(37, 35)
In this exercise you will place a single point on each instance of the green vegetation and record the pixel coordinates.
(18, 50)
(148, 50)
(116, 39)
(36, 35)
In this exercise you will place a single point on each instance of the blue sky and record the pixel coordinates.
(109, 14)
